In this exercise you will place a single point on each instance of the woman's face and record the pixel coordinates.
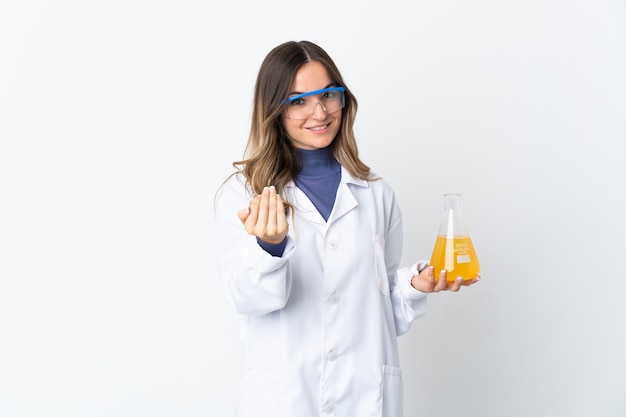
(320, 128)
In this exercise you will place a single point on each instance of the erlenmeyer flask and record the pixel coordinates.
(453, 249)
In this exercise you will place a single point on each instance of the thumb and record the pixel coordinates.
(243, 214)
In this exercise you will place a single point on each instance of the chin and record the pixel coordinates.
(322, 143)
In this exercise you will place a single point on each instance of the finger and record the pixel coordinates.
(424, 281)
(243, 214)
(430, 277)
(471, 281)
(456, 285)
(251, 221)
(442, 283)
(261, 222)
(271, 213)
(281, 217)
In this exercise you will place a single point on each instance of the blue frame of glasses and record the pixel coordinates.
(311, 93)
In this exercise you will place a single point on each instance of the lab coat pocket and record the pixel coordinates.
(259, 394)
(392, 391)
(381, 268)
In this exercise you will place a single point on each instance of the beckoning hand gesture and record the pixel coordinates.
(265, 218)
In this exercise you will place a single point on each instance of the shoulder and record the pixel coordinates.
(234, 187)
(374, 186)
(378, 183)
(386, 200)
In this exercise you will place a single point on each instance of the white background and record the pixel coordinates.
(119, 119)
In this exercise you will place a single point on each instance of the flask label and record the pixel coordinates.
(463, 259)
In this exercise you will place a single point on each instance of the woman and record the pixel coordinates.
(311, 242)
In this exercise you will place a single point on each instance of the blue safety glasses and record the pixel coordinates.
(303, 105)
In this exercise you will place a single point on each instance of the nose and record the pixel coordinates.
(319, 112)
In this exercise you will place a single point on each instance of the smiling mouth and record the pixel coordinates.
(322, 127)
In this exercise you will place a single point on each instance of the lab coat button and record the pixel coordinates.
(333, 245)
(332, 355)
(328, 408)
(334, 299)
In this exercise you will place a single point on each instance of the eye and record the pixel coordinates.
(330, 95)
(296, 102)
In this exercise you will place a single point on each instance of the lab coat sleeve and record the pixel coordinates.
(413, 301)
(254, 281)
(408, 303)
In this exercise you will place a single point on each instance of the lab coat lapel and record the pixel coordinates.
(304, 206)
(345, 200)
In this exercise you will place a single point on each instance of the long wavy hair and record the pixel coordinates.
(270, 158)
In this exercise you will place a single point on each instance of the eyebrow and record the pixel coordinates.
(297, 93)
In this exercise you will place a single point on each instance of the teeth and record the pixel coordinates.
(319, 127)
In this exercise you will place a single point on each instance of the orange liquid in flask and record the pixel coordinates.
(457, 256)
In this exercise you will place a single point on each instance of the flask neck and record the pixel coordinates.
(452, 202)
(452, 224)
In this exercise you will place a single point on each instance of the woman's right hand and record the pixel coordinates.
(265, 218)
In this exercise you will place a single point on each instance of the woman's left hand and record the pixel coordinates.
(425, 281)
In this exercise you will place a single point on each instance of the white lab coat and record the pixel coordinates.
(321, 322)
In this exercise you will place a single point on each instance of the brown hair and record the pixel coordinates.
(269, 157)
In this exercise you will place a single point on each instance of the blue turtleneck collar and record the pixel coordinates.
(317, 162)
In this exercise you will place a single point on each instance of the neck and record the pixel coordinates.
(317, 162)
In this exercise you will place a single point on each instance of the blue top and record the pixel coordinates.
(319, 179)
